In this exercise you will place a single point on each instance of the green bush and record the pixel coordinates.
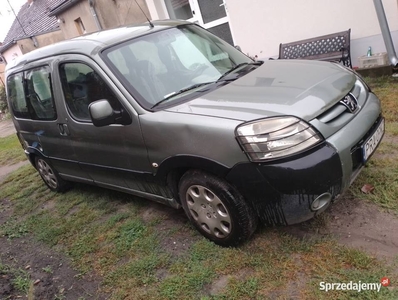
(3, 99)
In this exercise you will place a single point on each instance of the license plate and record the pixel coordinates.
(371, 143)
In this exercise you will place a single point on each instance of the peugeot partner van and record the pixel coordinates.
(174, 114)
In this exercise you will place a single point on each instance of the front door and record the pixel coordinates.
(114, 156)
(210, 14)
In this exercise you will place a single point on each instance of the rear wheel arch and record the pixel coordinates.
(50, 175)
(34, 156)
(33, 153)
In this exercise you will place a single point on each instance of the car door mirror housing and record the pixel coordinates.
(102, 113)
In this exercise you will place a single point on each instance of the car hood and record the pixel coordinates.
(281, 87)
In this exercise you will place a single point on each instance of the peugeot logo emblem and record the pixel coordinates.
(350, 102)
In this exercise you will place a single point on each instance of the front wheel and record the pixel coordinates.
(216, 209)
(50, 175)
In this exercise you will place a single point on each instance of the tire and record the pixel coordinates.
(216, 209)
(50, 175)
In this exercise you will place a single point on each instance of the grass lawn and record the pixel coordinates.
(11, 150)
(142, 250)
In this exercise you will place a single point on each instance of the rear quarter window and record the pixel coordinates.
(39, 94)
(16, 95)
(30, 94)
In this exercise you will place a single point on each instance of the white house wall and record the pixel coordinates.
(259, 26)
(12, 53)
(157, 9)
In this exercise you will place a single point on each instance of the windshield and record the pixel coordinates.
(167, 63)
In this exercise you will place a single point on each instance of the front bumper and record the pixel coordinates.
(351, 137)
(282, 192)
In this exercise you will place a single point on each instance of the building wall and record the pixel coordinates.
(12, 53)
(26, 45)
(260, 26)
(2, 76)
(157, 9)
(120, 12)
(80, 10)
(110, 14)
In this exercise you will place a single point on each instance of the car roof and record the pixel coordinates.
(92, 43)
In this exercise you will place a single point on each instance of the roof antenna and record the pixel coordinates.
(149, 21)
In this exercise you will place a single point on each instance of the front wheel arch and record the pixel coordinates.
(216, 209)
(173, 168)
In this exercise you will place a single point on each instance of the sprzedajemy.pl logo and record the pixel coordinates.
(354, 286)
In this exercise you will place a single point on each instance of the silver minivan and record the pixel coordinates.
(174, 114)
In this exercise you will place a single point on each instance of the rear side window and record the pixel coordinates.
(16, 95)
(39, 94)
(81, 86)
(31, 95)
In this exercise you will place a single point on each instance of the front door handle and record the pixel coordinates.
(63, 129)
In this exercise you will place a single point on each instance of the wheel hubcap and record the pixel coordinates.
(208, 211)
(47, 173)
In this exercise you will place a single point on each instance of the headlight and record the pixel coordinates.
(276, 137)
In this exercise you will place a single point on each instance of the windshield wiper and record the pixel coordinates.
(172, 95)
(256, 63)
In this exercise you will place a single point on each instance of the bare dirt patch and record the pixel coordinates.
(357, 224)
(51, 272)
(219, 285)
(5, 170)
(173, 226)
(362, 225)
(6, 128)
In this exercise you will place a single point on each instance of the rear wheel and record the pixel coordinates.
(216, 209)
(50, 175)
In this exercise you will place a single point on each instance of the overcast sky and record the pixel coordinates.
(6, 15)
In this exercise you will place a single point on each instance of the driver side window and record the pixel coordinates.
(81, 86)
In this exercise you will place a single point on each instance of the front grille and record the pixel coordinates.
(339, 110)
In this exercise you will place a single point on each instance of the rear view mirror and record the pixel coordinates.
(101, 113)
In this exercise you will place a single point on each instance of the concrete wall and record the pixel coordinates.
(80, 10)
(359, 46)
(260, 26)
(120, 12)
(26, 45)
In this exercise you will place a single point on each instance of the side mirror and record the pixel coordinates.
(102, 113)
